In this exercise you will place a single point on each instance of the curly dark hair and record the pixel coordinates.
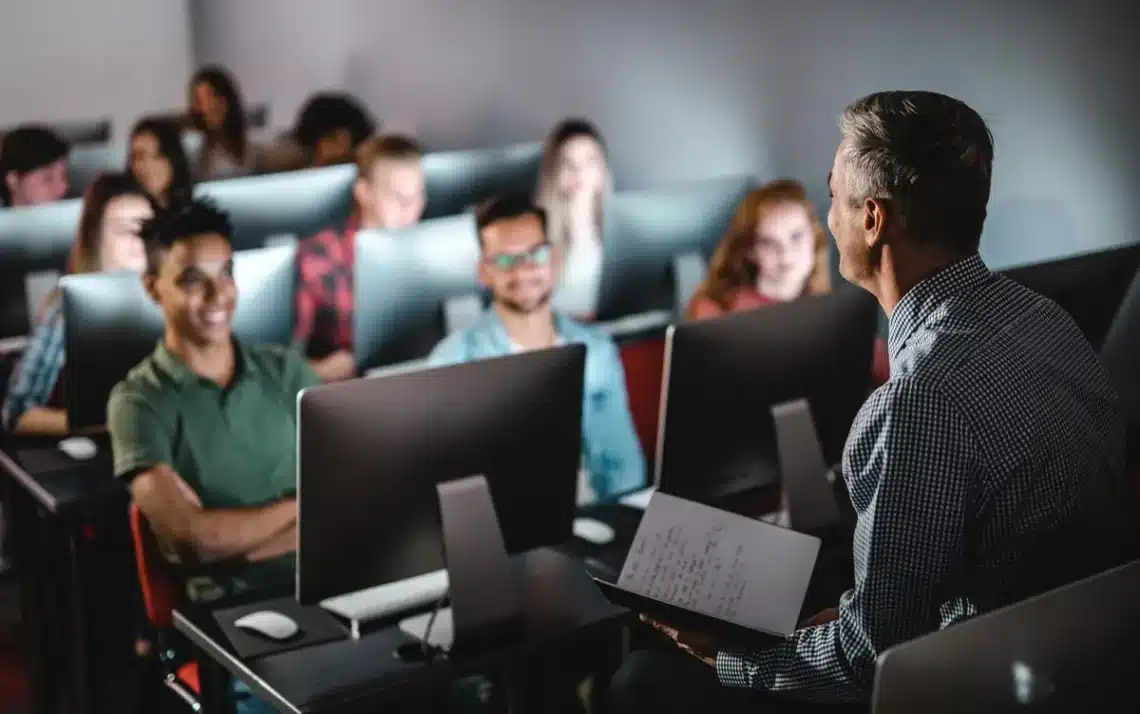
(196, 217)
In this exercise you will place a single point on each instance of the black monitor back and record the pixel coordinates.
(371, 452)
(32, 239)
(294, 203)
(458, 180)
(1074, 649)
(1090, 287)
(723, 376)
(402, 280)
(112, 324)
(646, 230)
(1120, 354)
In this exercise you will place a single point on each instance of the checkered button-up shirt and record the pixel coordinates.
(997, 430)
(36, 380)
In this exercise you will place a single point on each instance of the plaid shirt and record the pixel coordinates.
(997, 430)
(324, 291)
(36, 379)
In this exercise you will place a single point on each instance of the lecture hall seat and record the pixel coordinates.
(161, 591)
(644, 364)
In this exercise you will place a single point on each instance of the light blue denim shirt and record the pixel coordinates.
(609, 441)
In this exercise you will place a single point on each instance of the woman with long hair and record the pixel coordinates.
(158, 162)
(775, 251)
(217, 110)
(574, 183)
(114, 206)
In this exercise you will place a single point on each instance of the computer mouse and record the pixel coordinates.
(593, 531)
(79, 448)
(268, 623)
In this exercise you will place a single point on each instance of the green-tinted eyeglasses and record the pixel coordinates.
(538, 255)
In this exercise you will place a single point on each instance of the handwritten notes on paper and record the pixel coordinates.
(719, 564)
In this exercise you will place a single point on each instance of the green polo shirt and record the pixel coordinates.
(235, 446)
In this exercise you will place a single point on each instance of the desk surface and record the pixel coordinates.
(57, 482)
(359, 675)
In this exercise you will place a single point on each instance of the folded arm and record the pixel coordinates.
(208, 535)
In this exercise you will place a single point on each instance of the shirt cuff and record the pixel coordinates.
(732, 668)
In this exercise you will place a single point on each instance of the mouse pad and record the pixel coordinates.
(49, 459)
(315, 627)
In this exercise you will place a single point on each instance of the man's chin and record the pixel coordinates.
(527, 307)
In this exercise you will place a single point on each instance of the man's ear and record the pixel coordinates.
(874, 222)
(11, 178)
(150, 284)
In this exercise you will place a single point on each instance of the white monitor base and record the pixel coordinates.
(442, 633)
(361, 607)
(638, 499)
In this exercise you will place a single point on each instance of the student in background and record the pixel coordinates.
(217, 110)
(158, 162)
(33, 167)
(108, 239)
(573, 185)
(389, 195)
(775, 251)
(520, 266)
(330, 128)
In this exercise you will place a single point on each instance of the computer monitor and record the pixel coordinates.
(457, 180)
(724, 375)
(294, 203)
(84, 131)
(646, 230)
(1073, 649)
(371, 452)
(1120, 353)
(1090, 287)
(87, 162)
(111, 324)
(403, 281)
(32, 239)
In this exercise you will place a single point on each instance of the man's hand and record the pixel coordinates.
(338, 366)
(821, 618)
(700, 645)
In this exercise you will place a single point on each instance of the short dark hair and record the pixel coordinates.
(505, 207)
(328, 112)
(930, 155)
(27, 148)
(196, 217)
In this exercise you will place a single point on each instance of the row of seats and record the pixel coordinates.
(269, 209)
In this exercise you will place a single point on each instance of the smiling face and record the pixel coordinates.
(581, 170)
(42, 185)
(208, 107)
(194, 286)
(784, 251)
(149, 166)
(847, 223)
(518, 264)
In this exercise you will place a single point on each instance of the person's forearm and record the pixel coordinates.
(219, 534)
(280, 544)
(42, 420)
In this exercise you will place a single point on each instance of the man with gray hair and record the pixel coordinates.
(989, 468)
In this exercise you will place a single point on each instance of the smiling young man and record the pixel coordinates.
(203, 430)
(519, 266)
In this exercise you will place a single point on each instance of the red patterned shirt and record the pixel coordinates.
(324, 291)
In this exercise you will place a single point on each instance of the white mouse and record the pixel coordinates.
(593, 531)
(271, 624)
(79, 448)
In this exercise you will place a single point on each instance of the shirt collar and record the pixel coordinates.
(182, 375)
(499, 334)
(921, 300)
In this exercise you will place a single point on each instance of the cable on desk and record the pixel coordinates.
(431, 651)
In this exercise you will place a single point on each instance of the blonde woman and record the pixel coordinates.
(573, 185)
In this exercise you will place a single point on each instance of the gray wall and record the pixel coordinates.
(687, 89)
(89, 59)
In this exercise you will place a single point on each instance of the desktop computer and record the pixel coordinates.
(1073, 649)
(1090, 287)
(111, 324)
(404, 280)
(723, 377)
(458, 180)
(294, 203)
(34, 241)
(372, 452)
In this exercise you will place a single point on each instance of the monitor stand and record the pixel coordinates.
(364, 606)
(486, 600)
(808, 496)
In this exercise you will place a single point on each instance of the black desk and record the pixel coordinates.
(51, 491)
(361, 675)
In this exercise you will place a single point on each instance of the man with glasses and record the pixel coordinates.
(519, 266)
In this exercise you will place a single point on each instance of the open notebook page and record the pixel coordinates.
(719, 564)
